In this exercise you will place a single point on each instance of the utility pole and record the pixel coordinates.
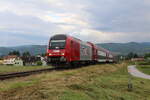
(130, 85)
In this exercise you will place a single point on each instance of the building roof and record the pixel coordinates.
(10, 57)
(137, 59)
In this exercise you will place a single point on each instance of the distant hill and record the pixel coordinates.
(33, 49)
(119, 48)
(125, 48)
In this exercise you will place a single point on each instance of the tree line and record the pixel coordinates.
(24, 54)
(135, 55)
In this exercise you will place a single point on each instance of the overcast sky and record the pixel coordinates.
(24, 22)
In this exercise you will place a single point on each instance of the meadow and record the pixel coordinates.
(94, 82)
(144, 68)
(10, 69)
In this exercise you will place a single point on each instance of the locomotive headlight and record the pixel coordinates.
(62, 54)
(50, 54)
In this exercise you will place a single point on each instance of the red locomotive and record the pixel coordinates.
(67, 49)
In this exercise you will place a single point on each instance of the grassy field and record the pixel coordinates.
(96, 82)
(144, 68)
(9, 69)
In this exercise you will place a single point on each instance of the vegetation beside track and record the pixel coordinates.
(144, 68)
(95, 82)
(11, 69)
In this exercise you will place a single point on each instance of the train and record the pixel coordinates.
(67, 49)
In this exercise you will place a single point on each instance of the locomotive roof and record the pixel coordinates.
(59, 37)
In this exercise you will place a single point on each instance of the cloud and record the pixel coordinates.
(120, 16)
(96, 21)
(15, 39)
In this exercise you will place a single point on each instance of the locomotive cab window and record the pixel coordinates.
(58, 42)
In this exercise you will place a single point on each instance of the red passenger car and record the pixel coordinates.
(104, 55)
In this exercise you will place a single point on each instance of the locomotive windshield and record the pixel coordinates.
(57, 42)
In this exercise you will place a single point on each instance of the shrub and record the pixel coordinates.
(39, 63)
(144, 63)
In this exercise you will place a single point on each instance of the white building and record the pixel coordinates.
(13, 60)
(18, 62)
(1, 62)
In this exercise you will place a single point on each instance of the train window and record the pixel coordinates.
(57, 44)
(71, 42)
(71, 45)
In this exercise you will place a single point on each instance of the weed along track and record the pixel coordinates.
(25, 73)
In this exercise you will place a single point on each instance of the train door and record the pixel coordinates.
(72, 50)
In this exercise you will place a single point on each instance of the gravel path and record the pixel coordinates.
(135, 72)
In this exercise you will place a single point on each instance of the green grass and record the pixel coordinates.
(144, 68)
(113, 86)
(74, 95)
(5, 85)
(9, 69)
(96, 82)
(143, 62)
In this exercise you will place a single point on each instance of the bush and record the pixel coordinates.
(147, 55)
(39, 63)
(144, 63)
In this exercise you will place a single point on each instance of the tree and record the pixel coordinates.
(17, 53)
(135, 55)
(147, 55)
(39, 63)
(132, 55)
(26, 54)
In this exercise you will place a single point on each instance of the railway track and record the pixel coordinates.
(25, 73)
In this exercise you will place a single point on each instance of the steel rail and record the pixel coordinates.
(25, 73)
